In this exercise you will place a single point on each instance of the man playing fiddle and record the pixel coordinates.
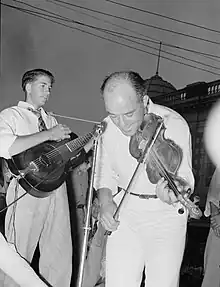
(149, 232)
(34, 220)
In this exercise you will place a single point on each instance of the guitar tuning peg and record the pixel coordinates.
(100, 127)
(103, 126)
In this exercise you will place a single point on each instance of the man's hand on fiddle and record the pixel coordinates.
(59, 132)
(164, 193)
(106, 218)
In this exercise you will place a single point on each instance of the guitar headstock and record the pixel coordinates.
(99, 129)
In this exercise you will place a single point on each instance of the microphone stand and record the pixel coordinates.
(87, 227)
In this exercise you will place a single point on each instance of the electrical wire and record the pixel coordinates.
(95, 27)
(165, 17)
(148, 38)
(37, 14)
(141, 23)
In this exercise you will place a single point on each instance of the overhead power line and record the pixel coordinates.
(127, 37)
(114, 33)
(163, 16)
(141, 23)
(148, 38)
(37, 14)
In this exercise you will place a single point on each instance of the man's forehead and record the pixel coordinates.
(43, 79)
(117, 84)
(121, 92)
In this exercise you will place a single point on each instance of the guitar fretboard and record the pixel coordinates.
(79, 142)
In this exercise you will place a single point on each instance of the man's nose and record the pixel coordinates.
(47, 90)
(122, 121)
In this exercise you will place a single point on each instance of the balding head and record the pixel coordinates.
(123, 94)
(129, 77)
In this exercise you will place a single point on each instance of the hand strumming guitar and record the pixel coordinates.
(59, 132)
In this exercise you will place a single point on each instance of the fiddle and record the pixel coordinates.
(164, 160)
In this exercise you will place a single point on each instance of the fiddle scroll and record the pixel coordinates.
(164, 161)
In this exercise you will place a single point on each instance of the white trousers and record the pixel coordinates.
(151, 234)
(44, 220)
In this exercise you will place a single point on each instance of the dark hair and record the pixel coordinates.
(31, 75)
(136, 81)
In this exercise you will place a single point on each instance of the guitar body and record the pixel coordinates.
(44, 167)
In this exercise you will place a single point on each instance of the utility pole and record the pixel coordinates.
(158, 61)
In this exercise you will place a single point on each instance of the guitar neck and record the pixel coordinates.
(79, 142)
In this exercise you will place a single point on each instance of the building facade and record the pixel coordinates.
(194, 103)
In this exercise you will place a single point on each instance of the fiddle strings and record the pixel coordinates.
(194, 211)
(164, 172)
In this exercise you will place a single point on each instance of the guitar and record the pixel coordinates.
(43, 168)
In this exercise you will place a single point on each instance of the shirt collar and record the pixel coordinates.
(150, 106)
(26, 105)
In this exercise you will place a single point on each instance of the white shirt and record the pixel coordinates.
(115, 165)
(17, 121)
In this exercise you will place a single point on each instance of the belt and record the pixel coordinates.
(144, 196)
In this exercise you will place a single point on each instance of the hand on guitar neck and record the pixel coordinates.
(89, 145)
(61, 132)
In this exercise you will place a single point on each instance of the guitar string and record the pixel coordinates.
(72, 118)
(79, 119)
(79, 142)
(13, 202)
(82, 140)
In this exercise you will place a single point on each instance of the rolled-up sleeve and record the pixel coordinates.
(104, 176)
(7, 136)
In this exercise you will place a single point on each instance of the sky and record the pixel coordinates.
(80, 61)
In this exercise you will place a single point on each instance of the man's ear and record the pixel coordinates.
(146, 100)
(28, 88)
